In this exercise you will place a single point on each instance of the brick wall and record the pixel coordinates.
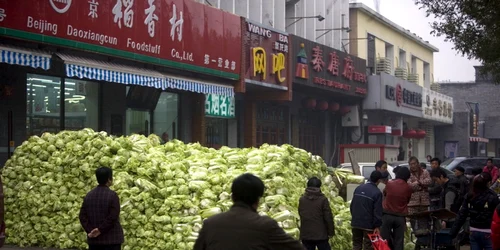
(459, 131)
(486, 94)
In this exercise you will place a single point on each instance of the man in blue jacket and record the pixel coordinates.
(366, 211)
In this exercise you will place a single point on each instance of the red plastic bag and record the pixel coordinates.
(378, 243)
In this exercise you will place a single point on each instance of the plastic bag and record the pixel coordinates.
(378, 243)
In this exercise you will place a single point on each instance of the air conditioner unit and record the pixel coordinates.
(401, 73)
(413, 78)
(436, 87)
(384, 65)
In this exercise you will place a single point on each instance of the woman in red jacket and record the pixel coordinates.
(495, 229)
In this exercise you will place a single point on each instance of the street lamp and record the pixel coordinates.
(346, 29)
(319, 17)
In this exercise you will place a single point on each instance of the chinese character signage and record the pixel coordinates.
(474, 119)
(437, 106)
(174, 33)
(403, 96)
(327, 68)
(390, 93)
(219, 106)
(266, 53)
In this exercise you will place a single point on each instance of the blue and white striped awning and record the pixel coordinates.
(109, 72)
(199, 87)
(25, 57)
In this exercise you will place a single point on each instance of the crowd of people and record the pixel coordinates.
(414, 190)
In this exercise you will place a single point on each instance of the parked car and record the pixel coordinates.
(428, 168)
(468, 162)
(366, 168)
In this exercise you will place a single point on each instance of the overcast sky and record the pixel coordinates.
(448, 65)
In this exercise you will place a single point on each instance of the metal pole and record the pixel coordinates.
(294, 22)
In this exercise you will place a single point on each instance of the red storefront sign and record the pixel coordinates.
(332, 69)
(379, 129)
(266, 51)
(174, 33)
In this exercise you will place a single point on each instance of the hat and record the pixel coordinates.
(461, 169)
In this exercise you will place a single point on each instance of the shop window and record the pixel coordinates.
(81, 104)
(166, 116)
(138, 122)
(43, 104)
(151, 111)
(216, 132)
(139, 106)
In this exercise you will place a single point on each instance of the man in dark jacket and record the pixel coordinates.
(397, 194)
(366, 212)
(435, 189)
(462, 180)
(316, 219)
(242, 228)
(450, 195)
(100, 214)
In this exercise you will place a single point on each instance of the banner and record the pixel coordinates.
(174, 33)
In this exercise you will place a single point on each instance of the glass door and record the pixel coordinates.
(138, 122)
(166, 117)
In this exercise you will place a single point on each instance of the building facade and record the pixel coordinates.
(389, 48)
(329, 87)
(301, 102)
(475, 129)
(400, 111)
(322, 21)
(150, 68)
(124, 68)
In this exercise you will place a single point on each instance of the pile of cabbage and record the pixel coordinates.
(166, 190)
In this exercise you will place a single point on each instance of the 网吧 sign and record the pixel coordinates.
(267, 52)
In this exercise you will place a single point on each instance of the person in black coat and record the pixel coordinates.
(316, 218)
(479, 205)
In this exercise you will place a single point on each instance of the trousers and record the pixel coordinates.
(320, 244)
(393, 230)
(360, 240)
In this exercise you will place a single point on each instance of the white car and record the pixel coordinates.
(366, 168)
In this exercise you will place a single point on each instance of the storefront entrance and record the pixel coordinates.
(272, 125)
(216, 132)
(151, 111)
(311, 131)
